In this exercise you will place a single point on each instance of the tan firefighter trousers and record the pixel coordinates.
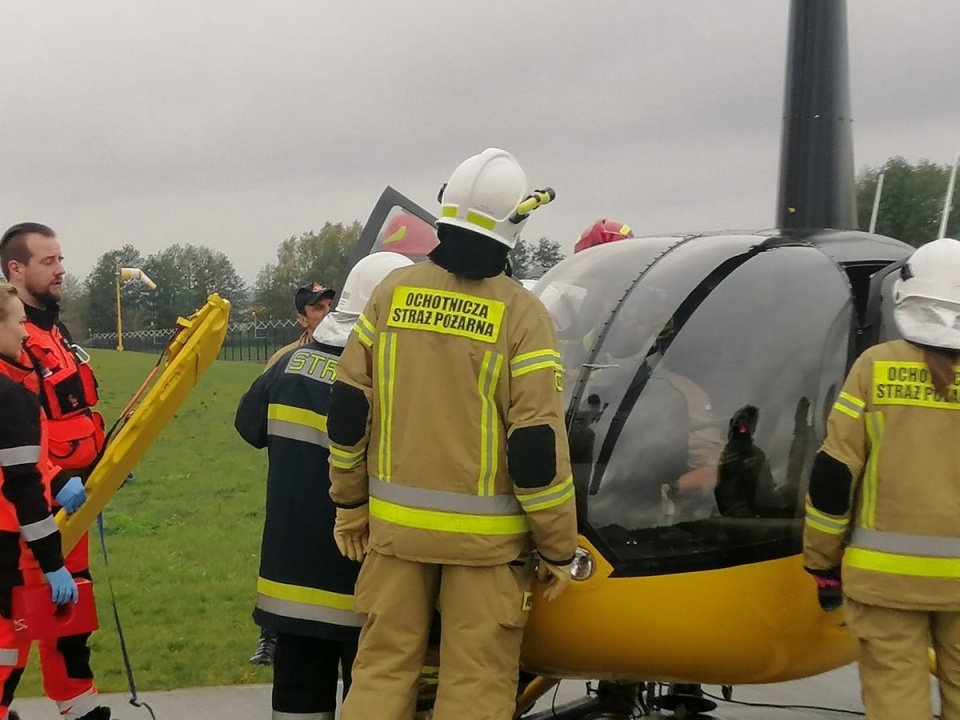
(894, 662)
(483, 611)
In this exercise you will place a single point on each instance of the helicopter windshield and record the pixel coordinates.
(695, 418)
(582, 293)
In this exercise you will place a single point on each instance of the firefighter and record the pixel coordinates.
(313, 303)
(449, 459)
(28, 532)
(32, 261)
(305, 588)
(600, 233)
(884, 494)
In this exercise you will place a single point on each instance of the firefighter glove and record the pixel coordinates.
(829, 592)
(63, 588)
(351, 531)
(72, 495)
(558, 578)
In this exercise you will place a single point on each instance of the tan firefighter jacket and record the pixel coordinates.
(455, 372)
(900, 540)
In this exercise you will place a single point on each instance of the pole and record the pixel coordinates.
(119, 318)
(876, 203)
(948, 200)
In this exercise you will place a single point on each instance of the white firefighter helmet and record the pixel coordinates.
(926, 297)
(335, 328)
(483, 194)
(364, 278)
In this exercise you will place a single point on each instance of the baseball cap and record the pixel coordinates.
(312, 294)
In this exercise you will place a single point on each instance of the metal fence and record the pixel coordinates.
(252, 341)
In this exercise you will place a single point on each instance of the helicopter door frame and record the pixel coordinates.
(869, 334)
(389, 199)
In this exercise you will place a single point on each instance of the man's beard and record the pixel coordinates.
(45, 295)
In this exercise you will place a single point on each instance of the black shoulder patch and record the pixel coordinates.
(830, 483)
(347, 419)
(532, 456)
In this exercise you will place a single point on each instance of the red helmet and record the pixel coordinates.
(408, 235)
(601, 232)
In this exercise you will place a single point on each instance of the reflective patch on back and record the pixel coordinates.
(314, 365)
(910, 383)
(449, 313)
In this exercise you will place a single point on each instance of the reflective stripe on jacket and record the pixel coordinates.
(452, 369)
(25, 477)
(900, 536)
(305, 586)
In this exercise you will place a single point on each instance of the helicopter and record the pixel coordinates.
(700, 369)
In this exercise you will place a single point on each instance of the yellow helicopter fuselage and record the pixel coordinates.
(754, 623)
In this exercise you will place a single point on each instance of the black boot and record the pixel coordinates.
(12, 715)
(101, 712)
(266, 648)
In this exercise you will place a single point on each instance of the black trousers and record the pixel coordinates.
(306, 670)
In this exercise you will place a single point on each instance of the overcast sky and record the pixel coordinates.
(236, 125)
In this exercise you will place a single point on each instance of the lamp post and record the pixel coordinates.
(125, 273)
(948, 200)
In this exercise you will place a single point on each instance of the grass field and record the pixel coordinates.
(183, 538)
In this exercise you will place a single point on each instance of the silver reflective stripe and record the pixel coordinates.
(445, 501)
(305, 611)
(8, 657)
(296, 431)
(848, 402)
(902, 544)
(39, 529)
(23, 455)
(543, 359)
(277, 715)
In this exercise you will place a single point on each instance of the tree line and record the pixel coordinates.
(186, 274)
(910, 208)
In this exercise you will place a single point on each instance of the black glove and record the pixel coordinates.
(829, 589)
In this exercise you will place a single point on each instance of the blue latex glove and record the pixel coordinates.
(63, 588)
(72, 495)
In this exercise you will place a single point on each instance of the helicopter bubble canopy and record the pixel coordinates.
(698, 376)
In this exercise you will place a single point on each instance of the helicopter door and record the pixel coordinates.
(397, 224)
(878, 325)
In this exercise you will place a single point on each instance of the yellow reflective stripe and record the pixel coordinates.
(849, 405)
(365, 330)
(546, 499)
(489, 427)
(816, 525)
(346, 460)
(868, 508)
(386, 369)
(448, 522)
(853, 400)
(473, 217)
(536, 360)
(297, 416)
(830, 524)
(908, 565)
(308, 596)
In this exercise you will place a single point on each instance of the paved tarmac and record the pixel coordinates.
(839, 689)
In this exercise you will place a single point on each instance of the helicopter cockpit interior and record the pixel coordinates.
(698, 376)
